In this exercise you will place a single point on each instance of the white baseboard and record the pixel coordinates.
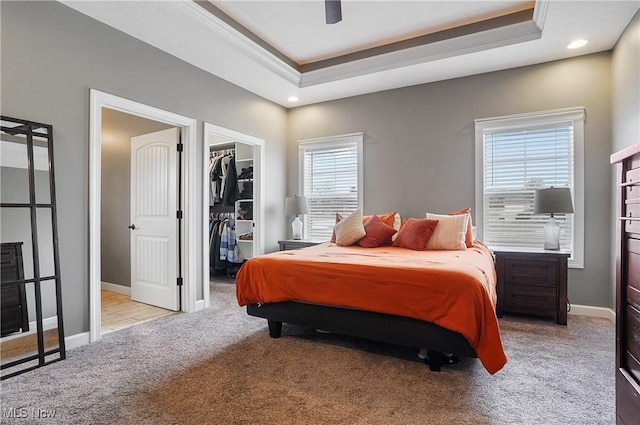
(113, 287)
(199, 305)
(591, 311)
(75, 341)
(48, 323)
(72, 341)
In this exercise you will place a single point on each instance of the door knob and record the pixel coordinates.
(132, 227)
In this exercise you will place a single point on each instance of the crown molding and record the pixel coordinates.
(540, 13)
(456, 46)
(244, 44)
(428, 48)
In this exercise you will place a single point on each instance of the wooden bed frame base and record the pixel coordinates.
(365, 324)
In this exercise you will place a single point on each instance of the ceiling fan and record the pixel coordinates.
(333, 11)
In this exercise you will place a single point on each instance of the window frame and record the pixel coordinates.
(331, 142)
(578, 116)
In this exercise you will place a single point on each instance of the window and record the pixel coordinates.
(330, 171)
(516, 155)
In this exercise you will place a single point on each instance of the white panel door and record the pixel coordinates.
(154, 227)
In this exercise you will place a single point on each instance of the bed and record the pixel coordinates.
(442, 301)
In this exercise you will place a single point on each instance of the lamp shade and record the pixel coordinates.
(554, 200)
(296, 205)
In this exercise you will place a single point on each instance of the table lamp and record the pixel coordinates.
(553, 200)
(296, 205)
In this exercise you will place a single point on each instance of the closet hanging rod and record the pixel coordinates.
(222, 147)
(219, 153)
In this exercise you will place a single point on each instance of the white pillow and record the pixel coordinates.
(397, 223)
(350, 230)
(450, 233)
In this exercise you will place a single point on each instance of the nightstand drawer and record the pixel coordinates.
(530, 272)
(530, 299)
(288, 244)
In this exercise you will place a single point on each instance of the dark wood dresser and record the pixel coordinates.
(627, 163)
(13, 299)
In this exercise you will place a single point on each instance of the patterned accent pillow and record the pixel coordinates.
(350, 230)
(450, 233)
(391, 219)
(415, 233)
(469, 238)
(378, 233)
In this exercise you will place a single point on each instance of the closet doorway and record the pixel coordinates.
(233, 194)
(128, 140)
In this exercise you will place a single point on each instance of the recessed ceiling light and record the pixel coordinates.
(577, 44)
(292, 99)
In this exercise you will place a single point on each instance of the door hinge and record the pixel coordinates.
(180, 147)
(179, 281)
(179, 215)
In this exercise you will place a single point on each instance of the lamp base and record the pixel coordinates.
(296, 227)
(551, 235)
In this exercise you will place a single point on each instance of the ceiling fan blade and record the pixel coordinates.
(333, 11)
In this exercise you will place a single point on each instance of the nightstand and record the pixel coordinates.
(288, 244)
(532, 281)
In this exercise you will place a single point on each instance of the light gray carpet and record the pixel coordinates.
(219, 366)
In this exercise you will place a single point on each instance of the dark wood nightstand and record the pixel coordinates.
(288, 244)
(533, 282)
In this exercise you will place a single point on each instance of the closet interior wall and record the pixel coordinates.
(231, 221)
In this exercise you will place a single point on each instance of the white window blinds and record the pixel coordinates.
(331, 180)
(516, 157)
(516, 162)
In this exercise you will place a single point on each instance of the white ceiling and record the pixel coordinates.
(280, 50)
(299, 30)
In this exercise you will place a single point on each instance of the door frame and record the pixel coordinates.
(211, 130)
(188, 244)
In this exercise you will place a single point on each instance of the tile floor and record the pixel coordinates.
(119, 312)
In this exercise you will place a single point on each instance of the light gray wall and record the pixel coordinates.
(419, 145)
(117, 130)
(625, 95)
(625, 110)
(52, 56)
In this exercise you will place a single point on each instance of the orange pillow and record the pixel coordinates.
(469, 235)
(378, 233)
(386, 218)
(415, 233)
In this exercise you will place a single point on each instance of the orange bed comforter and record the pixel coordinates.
(453, 289)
